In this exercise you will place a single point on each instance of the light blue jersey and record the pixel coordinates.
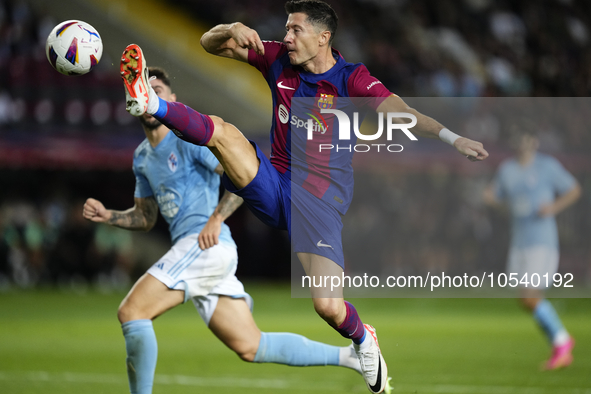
(181, 178)
(525, 190)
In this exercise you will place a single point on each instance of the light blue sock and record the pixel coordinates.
(548, 320)
(142, 352)
(295, 350)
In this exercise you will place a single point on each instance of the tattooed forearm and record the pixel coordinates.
(129, 219)
(149, 207)
(227, 205)
(141, 217)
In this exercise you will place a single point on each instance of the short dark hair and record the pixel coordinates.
(520, 128)
(318, 12)
(523, 126)
(160, 74)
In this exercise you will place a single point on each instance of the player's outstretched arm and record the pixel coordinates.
(233, 41)
(141, 217)
(209, 235)
(430, 128)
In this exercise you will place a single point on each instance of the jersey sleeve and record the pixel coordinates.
(204, 157)
(362, 84)
(142, 186)
(273, 50)
(562, 180)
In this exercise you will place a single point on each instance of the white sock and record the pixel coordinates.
(153, 101)
(348, 358)
(561, 338)
(366, 341)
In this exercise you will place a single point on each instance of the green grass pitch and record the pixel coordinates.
(63, 342)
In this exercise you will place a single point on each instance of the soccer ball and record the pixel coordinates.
(73, 47)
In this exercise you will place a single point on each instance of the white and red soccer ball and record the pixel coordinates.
(74, 47)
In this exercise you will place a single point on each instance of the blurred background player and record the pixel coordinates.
(307, 199)
(535, 187)
(182, 180)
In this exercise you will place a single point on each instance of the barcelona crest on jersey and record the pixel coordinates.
(325, 101)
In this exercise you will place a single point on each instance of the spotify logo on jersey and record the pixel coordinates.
(283, 114)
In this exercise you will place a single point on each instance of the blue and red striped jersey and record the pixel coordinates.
(326, 173)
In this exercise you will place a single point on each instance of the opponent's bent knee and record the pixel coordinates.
(127, 312)
(246, 352)
(247, 356)
(123, 314)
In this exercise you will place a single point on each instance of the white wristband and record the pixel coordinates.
(448, 136)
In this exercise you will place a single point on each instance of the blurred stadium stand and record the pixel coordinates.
(63, 139)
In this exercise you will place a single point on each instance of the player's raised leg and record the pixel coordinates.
(233, 324)
(343, 317)
(148, 299)
(228, 144)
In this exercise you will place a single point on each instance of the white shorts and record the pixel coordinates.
(203, 275)
(541, 260)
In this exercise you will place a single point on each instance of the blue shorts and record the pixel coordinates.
(314, 226)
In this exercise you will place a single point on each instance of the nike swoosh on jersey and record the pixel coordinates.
(280, 84)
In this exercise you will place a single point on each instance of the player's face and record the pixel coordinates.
(302, 39)
(163, 92)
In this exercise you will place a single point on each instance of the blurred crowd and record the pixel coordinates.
(449, 47)
(35, 99)
(49, 243)
(45, 241)
(418, 48)
(401, 222)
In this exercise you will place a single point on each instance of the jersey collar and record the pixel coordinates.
(313, 78)
(163, 142)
